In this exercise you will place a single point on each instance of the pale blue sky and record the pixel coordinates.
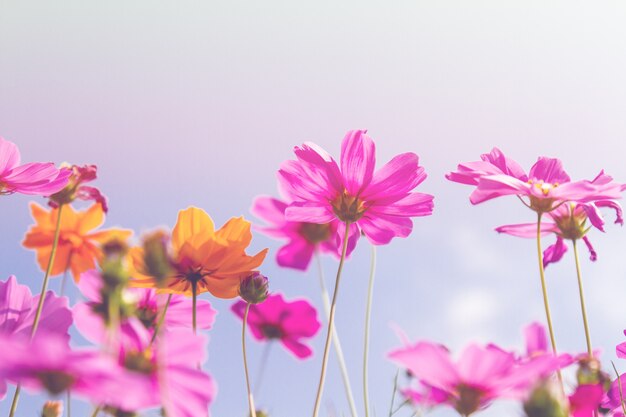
(199, 102)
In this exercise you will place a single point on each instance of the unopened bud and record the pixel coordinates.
(545, 400)
(52, 409)
(590, 372)
(115, 248)
(156, 257)
(253, 288)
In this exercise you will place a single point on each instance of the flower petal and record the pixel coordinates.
(358, 160)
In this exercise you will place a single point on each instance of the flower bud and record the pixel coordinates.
(52, 409)
(262, 413)
(590, 372)
(76, 190)
(156, 257)
(253, 288)
(545, 400)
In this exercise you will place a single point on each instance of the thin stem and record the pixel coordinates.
(619, 384)
(96, 411)
(161, 319)
(245, 361)
(194, 296)
(366, 342)
(42, 298)
(582, 299)
(331, 320)
(69, 403)
(261, 372)
(335, 340)
(393, 393)
(545, 297)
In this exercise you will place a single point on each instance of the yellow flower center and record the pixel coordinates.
(348, 208)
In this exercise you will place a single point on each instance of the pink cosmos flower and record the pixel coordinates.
(33, 178)
(567, 222)
(471, 383)
(75, 190)
(584, 402)
(147, 307)
(545, 187)
(613, 399)
(536, 340)
(279, 319)
(303, 238)
(165, 374)
(47, 363)
(18, 308)
(379, 204)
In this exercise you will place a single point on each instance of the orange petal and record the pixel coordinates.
(106, 235)
(91, 218)
(236, 231)
(194, 227)
(221, 287)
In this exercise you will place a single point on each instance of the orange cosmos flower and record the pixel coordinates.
(211, 260)
(79, 246)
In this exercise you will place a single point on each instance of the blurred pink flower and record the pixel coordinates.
(165, 374)
(75, 190)
(48, 363)
(585, 400)
(536, 340)
(33, 178)
(471, 383)
(278, 319)
(567, 222)
(379, 204)
(613, 398)
(147, 307)
(303, 238)
(546, 186)
(18, 308)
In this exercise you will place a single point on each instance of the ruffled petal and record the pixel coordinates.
(358, 159)
(555, 252)
(296, 254)
(549, 170)
(396, 178)
(497, 186)
(381, 228)
(527, 230)
(9, 155)
(592, 252)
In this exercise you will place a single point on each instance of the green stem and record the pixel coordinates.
(245, 361)
(544, 291)
(619, 384)
(96, 411)
(393, 393)
(161, 319)
(366, 342)
(194, 296)
(331, 320)
(42, 298)
(582, 299)
(335, 340)
(261, 372)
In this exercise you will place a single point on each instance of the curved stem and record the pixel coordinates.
(245, 361)
(544, 291)
(42, 298)
(366, 343)
(261, 372)
(336, 342)
(161, 319)
(331, 320)
(582, 299)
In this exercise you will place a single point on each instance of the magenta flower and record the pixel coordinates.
(47, 363)
(165, 374)
(33, 178)
(147, 306)
(76, 190)
(18, 308)
(278, 319)
(379, 204)
(303, 238)
(545, 187)
(584, 402)
(567, 222)
(471, 383)
(536, 340)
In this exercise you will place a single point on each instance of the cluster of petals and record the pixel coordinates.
(79, 247)
(17, 313)
(76, 190)
(211, 260)
(288, 321)
(147, 305)
(545, 186)
(470, 383)
(303, 238)
(33, 178)
(379, 204)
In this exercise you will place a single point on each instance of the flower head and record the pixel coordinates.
(479, 376)
(79, 245)
(253, 288)
(304, 238)
(33, 178)
(202, 257)
(545, 187)
(279, 319)
(379, 204)
(75, 190)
